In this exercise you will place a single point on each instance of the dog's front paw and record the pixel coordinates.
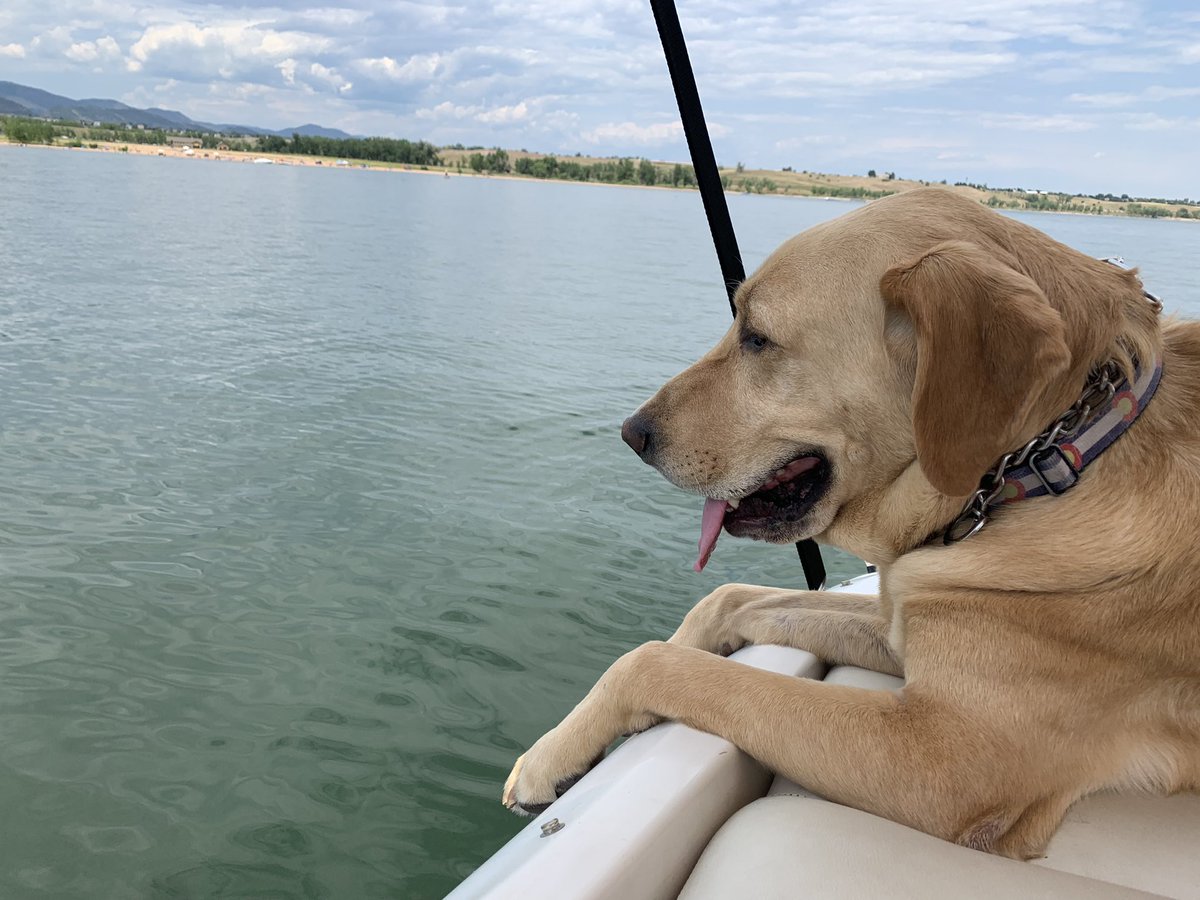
(545, 773)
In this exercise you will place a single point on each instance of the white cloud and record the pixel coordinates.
(245, 92)
(847, 73)
(313, 76)
(628, 133)
(52, 41)
(1104, 100)
(14, 51)
(810, 140)
(105, 48)
(470, 71)
(1027, 122)
(421, 67)
(505, 115)
(656, 133)
(334, 17)
(1157, 94)
(221, 49)
(922, 143)
(447, 110)
(1152, 94)
(1155, 122)
(956, 156)
(496, 115)
(330, 78)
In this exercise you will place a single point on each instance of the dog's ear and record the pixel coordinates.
(989, 345)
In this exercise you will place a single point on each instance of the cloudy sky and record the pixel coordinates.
(1092, 95)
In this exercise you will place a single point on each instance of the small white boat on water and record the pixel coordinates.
(675, 812)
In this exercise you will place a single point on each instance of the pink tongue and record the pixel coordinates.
(710, 530)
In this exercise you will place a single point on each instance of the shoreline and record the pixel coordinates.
(446, 171)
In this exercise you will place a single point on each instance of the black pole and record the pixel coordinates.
(708, 179)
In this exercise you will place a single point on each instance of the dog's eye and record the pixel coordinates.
(755, 343)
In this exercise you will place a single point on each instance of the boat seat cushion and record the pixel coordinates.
(793, 843)
(787, 847)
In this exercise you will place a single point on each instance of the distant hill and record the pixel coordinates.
(22, 100)
(37, 102)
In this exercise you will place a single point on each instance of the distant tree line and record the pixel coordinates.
(375, 149)
(42, 131)
(854, 193)
(21, 130)
(748, 185)
(605, 171)
(1018, 199)
(1044, 203)
(1158, 212)
(117, 134)
(1125, 198)
(495, 162)
(24, 130)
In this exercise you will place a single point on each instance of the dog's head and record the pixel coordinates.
(909, 344)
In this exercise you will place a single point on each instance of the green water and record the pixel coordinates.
(314, 512)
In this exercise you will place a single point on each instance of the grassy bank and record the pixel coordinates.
(788, 182)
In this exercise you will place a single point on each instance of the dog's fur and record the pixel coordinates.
(1053, 654)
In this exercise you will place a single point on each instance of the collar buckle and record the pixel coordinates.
(1059, 476)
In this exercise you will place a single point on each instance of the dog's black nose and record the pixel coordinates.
(638, 433)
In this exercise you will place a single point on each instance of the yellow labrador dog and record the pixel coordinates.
(880, 367)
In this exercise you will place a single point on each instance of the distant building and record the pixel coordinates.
(176, 141)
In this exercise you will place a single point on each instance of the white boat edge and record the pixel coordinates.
(635, 825)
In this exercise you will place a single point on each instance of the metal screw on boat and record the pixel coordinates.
(549, 828)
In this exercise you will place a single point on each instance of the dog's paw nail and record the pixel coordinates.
(509, 796)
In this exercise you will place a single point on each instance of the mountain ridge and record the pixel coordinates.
(23, 100)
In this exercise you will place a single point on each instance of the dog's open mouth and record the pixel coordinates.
(782, 500)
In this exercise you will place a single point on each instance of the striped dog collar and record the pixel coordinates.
(1052, 462)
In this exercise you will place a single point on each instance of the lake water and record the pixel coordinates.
(314, 512)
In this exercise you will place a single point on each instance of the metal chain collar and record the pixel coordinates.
(1100, 389)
